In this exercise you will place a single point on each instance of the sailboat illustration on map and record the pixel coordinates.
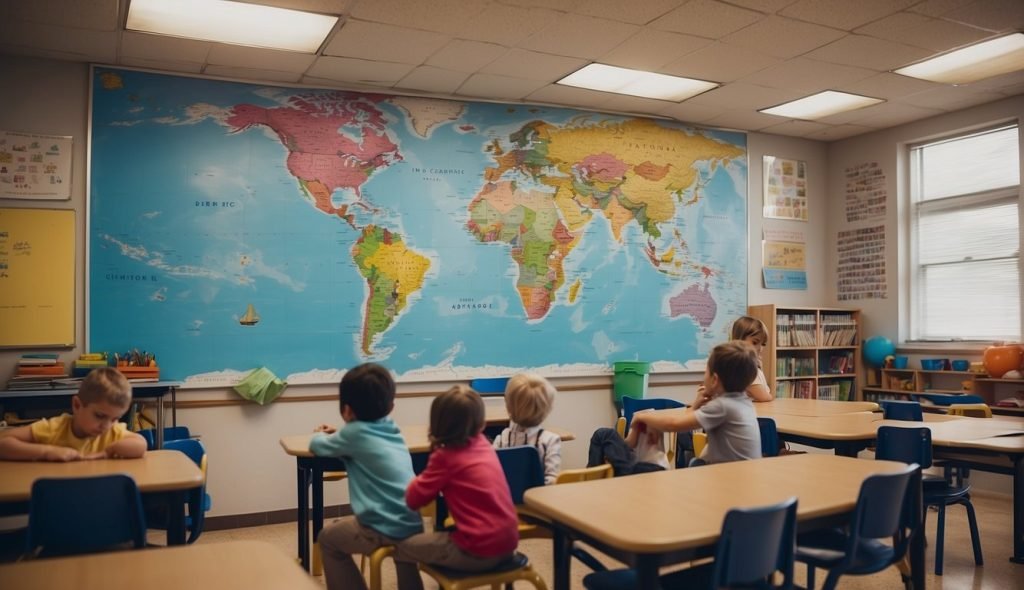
(251, 318)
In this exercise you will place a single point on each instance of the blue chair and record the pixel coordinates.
(489, 385)
(902, 410)
(198, 501)
(170, 433)
(632, 405)
(754, 544)
(888, 511)
(769, 437)
(70, 516)
(914, 445)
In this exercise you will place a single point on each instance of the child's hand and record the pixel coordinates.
(326, 429)
(61, 454)
(94, 456)
(702, 397)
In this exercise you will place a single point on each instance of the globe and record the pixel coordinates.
(876, 349)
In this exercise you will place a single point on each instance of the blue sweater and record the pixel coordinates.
(379, 469)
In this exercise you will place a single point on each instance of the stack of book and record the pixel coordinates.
(37, 371)
(88, 362)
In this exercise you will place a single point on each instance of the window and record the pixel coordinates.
(965, 237)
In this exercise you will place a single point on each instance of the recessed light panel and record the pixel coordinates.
(970, 64)
(821, 105)
(636, 82)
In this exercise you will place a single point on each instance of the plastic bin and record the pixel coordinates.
(630, 379)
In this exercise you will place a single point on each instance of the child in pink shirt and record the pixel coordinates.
(465, 468)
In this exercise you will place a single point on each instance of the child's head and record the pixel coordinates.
(752, 331)
(456, 416)
(732, 367)
(369, 392)
(102, 398)
(529, 398)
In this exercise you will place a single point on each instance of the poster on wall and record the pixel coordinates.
(34, 166)
(784, 260)
(861, 267)
(865, 192)
(785, 188)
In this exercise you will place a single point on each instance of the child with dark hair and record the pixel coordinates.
(379, 468)
(464, 468)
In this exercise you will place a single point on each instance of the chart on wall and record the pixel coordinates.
(234, 226)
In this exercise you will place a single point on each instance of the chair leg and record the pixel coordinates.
(940, 539)
(810, 577)
(972, 521)
(831, 580)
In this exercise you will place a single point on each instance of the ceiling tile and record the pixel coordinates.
(706, 18)
(690, 112)
(796, 128)
(807, 75)
(783, 37)
(719, 62)
(890, 114)
(765, 6)
(569, 96)
(321, 6)
(498, 87)
(506, 25)
(835, 132)
(1000, 83)
(995, 15)
(748, 120)
(634, 104)
(259, 58)
(100, 15)
(162, 64)
(375, 41)
(844, 14)
(561, 5)
(650, 49)
(951, 98)
(921, 31)
(637, 13)
(359, 71)
(887, 86)
(156, 47)
(519, 63)
(938, 7)
(579, 36)
(431, 79)
(60, 42)
(444, 16)
(739, 95)
(252, 74)
(466, 56)
(868, 52)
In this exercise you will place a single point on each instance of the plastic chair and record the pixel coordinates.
(170, 433)
(888, 510)
(754, 544)
(69, 516)
(769, 437)
(631, 405)
(902, 410)
(199, 502)
(489, 385)
(604, 471)
(513, 570)
(914, 445)
(970, 410)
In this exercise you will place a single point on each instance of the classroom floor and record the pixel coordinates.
(994, 521)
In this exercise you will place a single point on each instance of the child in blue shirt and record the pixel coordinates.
(379, 469)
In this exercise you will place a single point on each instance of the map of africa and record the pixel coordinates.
(234, 226)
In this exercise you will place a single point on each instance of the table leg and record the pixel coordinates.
(561, 545)
(302, 477)
(174, 406)
(647, 572)
(1018, 509)
(176, 519)
(159, 422)
(318, 501)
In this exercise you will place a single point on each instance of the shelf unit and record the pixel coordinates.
(905, 383)
(812, 352)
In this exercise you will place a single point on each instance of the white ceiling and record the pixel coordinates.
(764, 52)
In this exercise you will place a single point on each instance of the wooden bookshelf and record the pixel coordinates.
(907, 383)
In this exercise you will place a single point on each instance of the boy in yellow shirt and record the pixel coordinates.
(91, 431)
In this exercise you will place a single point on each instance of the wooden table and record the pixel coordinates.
(163, 477)
(310, 473)
(666, 517)
(234, 565)
(811, 407)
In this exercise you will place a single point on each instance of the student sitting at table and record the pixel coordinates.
(755, 333)
(528, 399)
(91, 431)
(379, 469)
(464, 468)
(722, 408)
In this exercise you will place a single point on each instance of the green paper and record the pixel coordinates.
(260, 386)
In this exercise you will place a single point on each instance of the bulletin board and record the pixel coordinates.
(37, 278)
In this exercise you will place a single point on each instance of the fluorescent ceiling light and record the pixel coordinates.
(970, 64)
(821, 105)
(232, 22)
(636, 82)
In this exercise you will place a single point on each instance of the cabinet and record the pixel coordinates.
(886, 384)
(812, 353)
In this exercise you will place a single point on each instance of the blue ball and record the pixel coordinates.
(876, 349)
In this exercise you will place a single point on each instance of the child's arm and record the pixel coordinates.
(758, 390)
(428, 484)
(667, 420)
(19, 445)
(132, 446)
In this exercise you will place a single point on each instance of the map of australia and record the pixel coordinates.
(235, 226)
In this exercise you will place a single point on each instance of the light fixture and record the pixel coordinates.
(970, 64)
(821, 105)
(236, 23)
(636, 82)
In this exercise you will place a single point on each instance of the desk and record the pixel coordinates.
(310, 473)
(811, 407)
(161, 476)
(645, 523)
(156, 390)
(235, 565)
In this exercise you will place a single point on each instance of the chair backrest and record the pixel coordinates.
(68, 516)
(754, 544)
(198, 500)
(907, 445)
(970, 410)
(523, 470)
(769, 437)
(888, 507)
(603, 471)
(902, 410)
(170, 433)
(631, 405)
(489, 385)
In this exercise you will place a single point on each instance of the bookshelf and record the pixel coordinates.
(813, 352)
(905, 384)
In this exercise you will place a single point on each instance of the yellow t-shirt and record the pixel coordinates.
(57, 431)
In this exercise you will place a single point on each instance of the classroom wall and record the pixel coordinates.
(248, 471)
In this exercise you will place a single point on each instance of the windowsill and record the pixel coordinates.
(966, 348)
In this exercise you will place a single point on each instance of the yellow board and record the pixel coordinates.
(37, 277)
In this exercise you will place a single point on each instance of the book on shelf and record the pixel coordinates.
(36, 362)
(838, 329)
(52, 370)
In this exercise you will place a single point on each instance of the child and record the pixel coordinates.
(724, 410)
(528, 399)
(754, 332)
(91, 431)
(379, 468)
(465, 468)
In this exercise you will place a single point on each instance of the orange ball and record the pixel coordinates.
(1000, 359)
